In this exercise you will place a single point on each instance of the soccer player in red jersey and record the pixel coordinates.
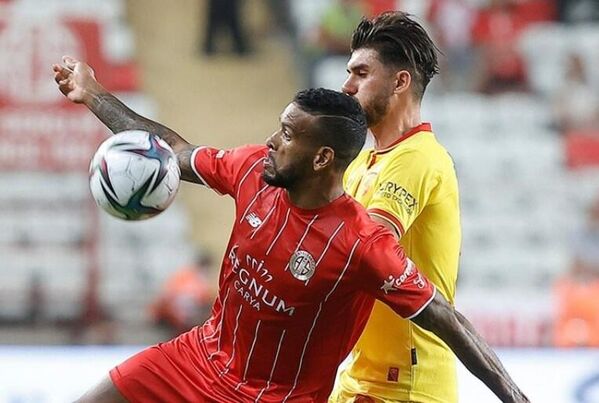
(303, 266)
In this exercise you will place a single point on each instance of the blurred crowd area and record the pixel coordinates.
(516, 105)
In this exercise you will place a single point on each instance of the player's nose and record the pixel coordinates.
(270, 141)
(349, 87)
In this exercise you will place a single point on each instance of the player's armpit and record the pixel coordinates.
(442, 319)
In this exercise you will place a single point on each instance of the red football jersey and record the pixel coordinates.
(296, 286)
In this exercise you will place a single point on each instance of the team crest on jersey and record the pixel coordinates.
(302, 265)
(367, 183)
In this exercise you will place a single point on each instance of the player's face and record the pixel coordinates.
(371, 83)
(291, 149)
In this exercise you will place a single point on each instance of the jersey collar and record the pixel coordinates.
(423, 127)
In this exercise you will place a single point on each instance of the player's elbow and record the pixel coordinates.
(439, 317)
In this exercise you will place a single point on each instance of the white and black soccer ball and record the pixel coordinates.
(134, 175)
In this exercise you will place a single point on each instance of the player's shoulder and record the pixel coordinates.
(424, 148)
(247, 157)
(250, 150)
(423, 142)
(237, 155)
(246, 167)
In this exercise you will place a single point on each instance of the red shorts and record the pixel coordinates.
(180, 371)
(167, 372)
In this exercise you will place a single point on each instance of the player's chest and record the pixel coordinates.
(282, 263)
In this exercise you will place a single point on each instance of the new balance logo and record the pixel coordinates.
(253, 220)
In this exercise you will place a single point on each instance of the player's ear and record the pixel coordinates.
(325, 156)
(403, 79)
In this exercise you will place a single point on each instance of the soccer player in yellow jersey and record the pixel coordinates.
(408, 183)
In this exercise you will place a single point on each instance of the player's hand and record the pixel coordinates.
(75, 79)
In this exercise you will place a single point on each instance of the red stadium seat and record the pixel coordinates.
(582, 149)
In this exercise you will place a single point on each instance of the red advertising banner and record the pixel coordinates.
(39, 129)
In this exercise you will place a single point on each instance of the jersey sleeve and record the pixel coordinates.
(404, 189)
(224, 170)
(392, 278)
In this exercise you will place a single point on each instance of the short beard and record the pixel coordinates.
(280, 179)
(376, 110)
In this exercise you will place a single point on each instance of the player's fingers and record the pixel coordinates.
(63, 71)
(69, 59)
(65, 90)
(60, 75)
(70, 62)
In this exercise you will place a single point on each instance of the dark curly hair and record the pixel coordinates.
(401, 43)
(341, 121)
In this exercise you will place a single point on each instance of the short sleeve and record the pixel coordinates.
(224, 170)
(394, 279)
(404, 188)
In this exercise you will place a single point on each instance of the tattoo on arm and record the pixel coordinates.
(118, 117)
(476, 355)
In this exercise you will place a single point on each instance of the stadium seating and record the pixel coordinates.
(48, 219)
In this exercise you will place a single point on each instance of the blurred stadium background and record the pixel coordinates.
(517, 106)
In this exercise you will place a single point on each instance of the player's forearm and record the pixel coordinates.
(471, 349)
(118, 117)
(479, 358)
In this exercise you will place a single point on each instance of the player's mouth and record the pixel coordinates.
(268, 163)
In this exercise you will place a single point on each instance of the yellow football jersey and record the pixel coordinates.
(413, 185)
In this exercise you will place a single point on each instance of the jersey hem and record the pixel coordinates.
(425, 304)
(398, 396)
(389, 218)
(195, 170)
(119, 384)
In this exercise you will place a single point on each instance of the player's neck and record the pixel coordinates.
(398, 121)
(316, 192)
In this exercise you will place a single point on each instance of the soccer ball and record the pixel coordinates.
(134, 175)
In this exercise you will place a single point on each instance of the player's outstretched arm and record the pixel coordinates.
(76, 80)
(454, 329)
